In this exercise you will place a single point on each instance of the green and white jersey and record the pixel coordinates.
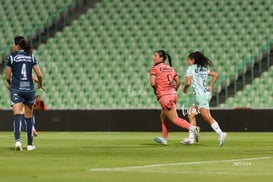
(199, 79)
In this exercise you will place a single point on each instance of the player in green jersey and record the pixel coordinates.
(197, 76)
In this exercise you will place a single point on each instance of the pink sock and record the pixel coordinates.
(181, 123)
(165, 129)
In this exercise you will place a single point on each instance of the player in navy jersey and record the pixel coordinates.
(19, 66)
(23, 125)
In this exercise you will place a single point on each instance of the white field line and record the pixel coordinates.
(202, 172)
(128, 168)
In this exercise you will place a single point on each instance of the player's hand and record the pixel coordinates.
(154, 90)
(44, 89)
(210, 88)
(8, 86)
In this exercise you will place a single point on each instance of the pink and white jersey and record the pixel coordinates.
(164, 79)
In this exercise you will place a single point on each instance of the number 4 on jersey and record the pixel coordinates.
(24, 72)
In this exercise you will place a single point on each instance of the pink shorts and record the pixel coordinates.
(168, 102)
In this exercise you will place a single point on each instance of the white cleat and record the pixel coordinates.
(161, 141)
(222, 139)
(31, 147)
(187, 141)
(18, 146)
(196, 133)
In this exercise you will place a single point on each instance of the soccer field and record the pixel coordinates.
(133, 156)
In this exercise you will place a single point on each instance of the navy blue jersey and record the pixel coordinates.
(21, 64)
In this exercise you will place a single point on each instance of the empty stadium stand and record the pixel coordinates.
(102, 59)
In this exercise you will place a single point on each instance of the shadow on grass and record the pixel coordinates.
(10, 148)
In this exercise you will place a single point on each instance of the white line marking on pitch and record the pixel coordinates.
(201, 172)
(128, 168)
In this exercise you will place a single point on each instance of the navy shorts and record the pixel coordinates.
(27, 98)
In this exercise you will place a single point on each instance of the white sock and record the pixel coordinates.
(191, 128)
(215, 126)
(191, 135)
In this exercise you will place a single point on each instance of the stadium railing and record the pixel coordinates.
(241, 69)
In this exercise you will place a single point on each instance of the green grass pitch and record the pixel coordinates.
(133, 156)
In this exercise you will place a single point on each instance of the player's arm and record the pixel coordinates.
(35, 78)
(177, 82)
(187, 84)
(152, 82)
(39, 76)
(8, 76)
(214, 76)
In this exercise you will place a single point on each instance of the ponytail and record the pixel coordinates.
(165, 55)
(22, 42)
(169, 59)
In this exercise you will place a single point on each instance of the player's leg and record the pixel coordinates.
(18, 119)
(23, 122)
(35, 133)
(192, 119)
(29, 121)
(164, 128)
(192, 114)
(205, 113)
(168, 104)
(203, 107)
(16, 101)
(164, 125)
(172, 116)
(28, 105)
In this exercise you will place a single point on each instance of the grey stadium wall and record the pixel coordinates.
(139, 120)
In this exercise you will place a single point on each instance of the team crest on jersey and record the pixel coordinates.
(165, 69)
(15, 96)
(200, 69)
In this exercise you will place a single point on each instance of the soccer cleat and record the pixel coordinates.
(161, 141)
(187, 141)
(222, 139)
(31, 147)
(196, 133)
(35, 133)
(18, 146)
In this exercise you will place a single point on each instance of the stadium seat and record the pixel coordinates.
(257, 94)
(110, 47)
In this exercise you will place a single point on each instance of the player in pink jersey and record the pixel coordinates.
(165, 82)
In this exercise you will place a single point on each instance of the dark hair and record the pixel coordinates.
(200, 59)
(22, 42)
(165, 55)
